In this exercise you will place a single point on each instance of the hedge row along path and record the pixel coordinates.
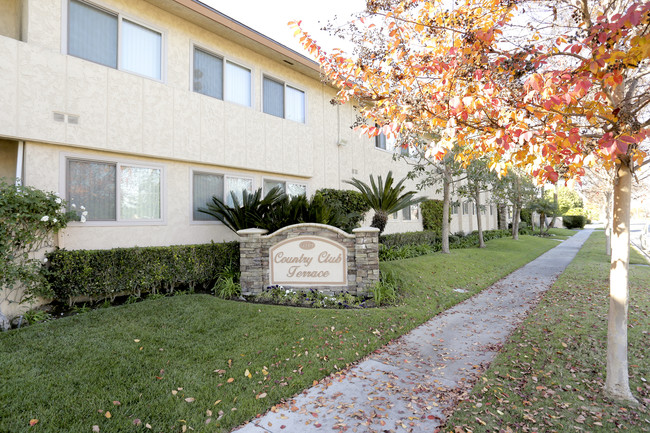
(413, 383)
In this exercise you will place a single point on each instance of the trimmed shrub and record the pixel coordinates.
(349, 203)
(399, 246)
(101, 274)
(526, 215)
(427, 237)
(574, 221)
(432, 215)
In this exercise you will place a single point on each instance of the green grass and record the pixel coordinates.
(550, 375)
(560, 233)
(67, 373)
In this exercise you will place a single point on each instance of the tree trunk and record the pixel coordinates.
(379, 220)
(479, 223)
(516, 216)
(617, 384)
(501, 212)
(446, 199)
(608, 223)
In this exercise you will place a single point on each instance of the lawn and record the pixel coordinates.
(550, 375)
(199, 362)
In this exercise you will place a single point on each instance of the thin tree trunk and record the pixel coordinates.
(608, 223)
(617, 384)
(446, 199)
(501, 212)
(479, 223)
(516, 216)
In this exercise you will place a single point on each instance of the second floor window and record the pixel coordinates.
(93, 35)
(282, 100)
(221, 79)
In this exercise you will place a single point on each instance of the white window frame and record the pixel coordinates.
(225, 59)
(226, 192)
(63, 188)
(285, 84)
(121, 16)
(285, 181)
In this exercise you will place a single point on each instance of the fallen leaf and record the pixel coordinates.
(208, 412)
(116, 403)
(230, 380)
(137, 340)
(33, 422)
(189, 399)
(248, 374)
(96, 429)
(216, 402)
(174, 392)
(108, 414)
(137, 421)
(262, 395)
(148, 426)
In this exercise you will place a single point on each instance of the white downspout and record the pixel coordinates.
(19, 162)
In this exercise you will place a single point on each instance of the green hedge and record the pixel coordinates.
(413, 244)
(432, 215)
(102, 274)
(349, 203)
(574, 221)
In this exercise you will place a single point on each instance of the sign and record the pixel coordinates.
(308, 261)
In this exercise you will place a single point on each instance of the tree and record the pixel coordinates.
(544, 206)
(566, 199)
(518, 190)
(565, 98)
(384, 198)
(432, 172)
(479, 180)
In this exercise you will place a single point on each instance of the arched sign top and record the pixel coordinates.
(332, 229)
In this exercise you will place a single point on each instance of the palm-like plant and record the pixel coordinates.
(384, 197)
(252, 210)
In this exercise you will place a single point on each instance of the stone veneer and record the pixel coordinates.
(362, 253)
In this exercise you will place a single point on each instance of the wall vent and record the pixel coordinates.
(58, 117)
(73, 120)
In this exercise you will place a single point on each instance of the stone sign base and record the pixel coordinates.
(309, 256)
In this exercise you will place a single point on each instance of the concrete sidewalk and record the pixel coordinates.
(406, 385)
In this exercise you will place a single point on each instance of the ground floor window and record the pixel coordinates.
(206, 185)
(292, 189)
(114, 191)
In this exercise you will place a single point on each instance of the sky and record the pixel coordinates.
(270, 17)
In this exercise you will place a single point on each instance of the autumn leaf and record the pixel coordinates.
(108, 415)
(189, 399)
(95, 429)
(33, 422)
(230, 380)
(248, 374)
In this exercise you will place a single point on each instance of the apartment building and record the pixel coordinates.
(141, 110)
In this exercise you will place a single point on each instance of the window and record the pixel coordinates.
(208, 185)
(282, 100)
(390, 144)
(212, 76)
(292, 189)
(204, 187)
(406, 213)
(236, 186)
(455, 208)
(466, 208)
(112, 191)
(93, 35)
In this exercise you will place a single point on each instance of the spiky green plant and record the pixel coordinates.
(384, 197)
(249, 213)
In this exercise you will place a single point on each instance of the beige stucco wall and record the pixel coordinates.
(8, 157)
(128, 117)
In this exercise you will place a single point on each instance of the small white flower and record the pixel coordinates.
(45, 218)
(44, 259)
(84, 213)
(54, 220)
(57, 201)
(83, 218)
(82, 208)
(73, 206)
